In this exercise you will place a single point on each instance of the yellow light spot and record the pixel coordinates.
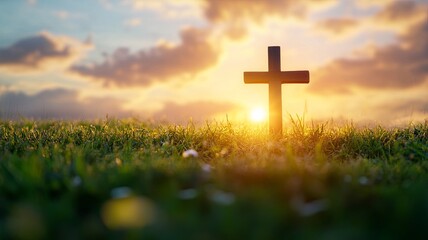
(258, 115)
(128, 212)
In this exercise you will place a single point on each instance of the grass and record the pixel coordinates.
(127, 179)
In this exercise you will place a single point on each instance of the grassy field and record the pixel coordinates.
(134, 180)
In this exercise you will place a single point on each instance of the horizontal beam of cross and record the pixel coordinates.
(284, 77)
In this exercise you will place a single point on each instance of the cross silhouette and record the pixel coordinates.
(275, 78)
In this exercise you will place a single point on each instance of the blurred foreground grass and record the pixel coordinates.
(124, 179)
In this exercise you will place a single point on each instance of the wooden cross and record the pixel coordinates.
(274, 77)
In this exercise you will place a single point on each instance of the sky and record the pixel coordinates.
(175, 60)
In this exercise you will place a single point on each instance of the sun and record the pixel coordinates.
(258, 115)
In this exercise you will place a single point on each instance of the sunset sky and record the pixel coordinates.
(176, 59)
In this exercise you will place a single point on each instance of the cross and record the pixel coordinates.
(275, 78)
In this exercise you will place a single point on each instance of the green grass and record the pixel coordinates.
(60, 180)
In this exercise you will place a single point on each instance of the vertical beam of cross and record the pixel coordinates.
(275, 93)
(275, 78)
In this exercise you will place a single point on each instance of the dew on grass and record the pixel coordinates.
(187, 194)
(190, 153)
(118, 161)
(222, 153)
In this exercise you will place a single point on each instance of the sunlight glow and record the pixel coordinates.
(258, 115)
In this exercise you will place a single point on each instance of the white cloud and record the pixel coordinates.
(162, 63)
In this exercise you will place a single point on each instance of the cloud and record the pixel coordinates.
(195, 53)
(168, 8)
(31, 2)
(370, 3)
(337, 26)
(197, 111)
(133, 22)
(62, 14)
(225, 10)
(238, 14)
(41, 52)
(400, 65)
(231, 17)
(397, 11)
(413, 105)
(396, 16)
(66, 104)
(161, 63)
(58, 104)
(403, 111)
(157, 4)
(400, 15)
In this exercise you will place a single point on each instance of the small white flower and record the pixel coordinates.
(206, 168)
(221, 197)
(363, 180)
(76, 181)
(120, 192)
(190, 153)
(310, 208)
(188, 194)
